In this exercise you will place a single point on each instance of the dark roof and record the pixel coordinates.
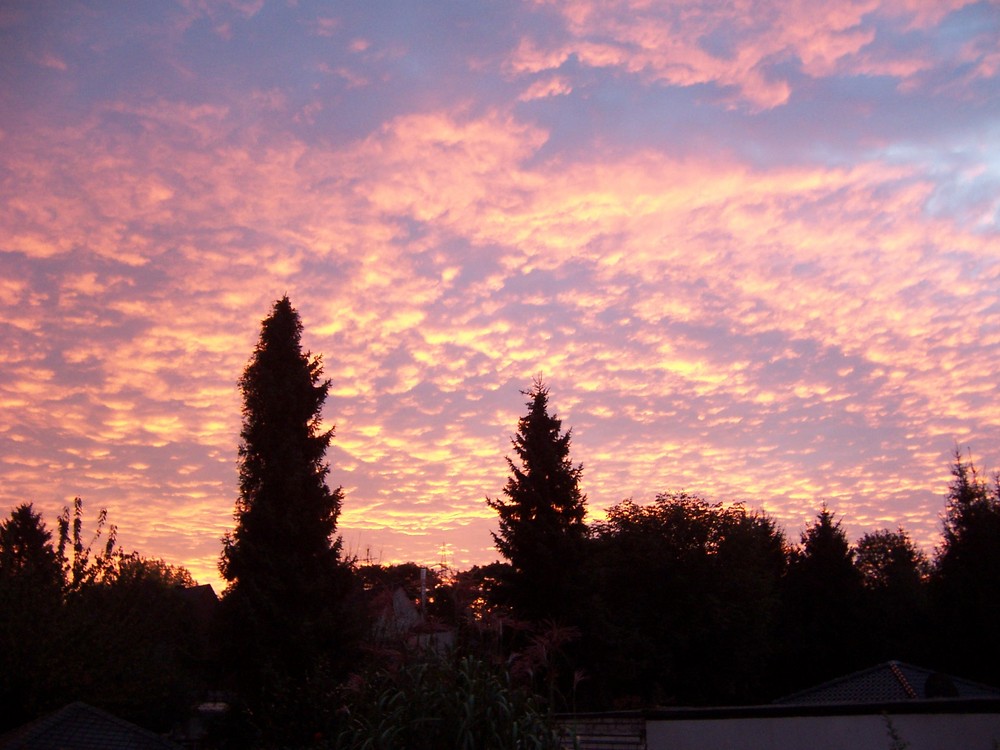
(889, 682)
(203, 593)
(202, 598)
(82, 727)
(202, 602)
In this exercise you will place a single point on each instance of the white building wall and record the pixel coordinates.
(920, 731)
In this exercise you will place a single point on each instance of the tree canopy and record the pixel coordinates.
(83, 624)
(683, 601)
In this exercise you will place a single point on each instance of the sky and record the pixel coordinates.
(752, 248)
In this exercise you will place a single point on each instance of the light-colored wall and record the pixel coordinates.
(920, 731)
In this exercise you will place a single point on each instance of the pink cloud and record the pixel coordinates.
(326, 26)
(551, 86)
(669, 44)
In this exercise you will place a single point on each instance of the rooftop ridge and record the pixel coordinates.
(898, 674)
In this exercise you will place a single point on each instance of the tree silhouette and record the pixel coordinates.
(823, 597)
(125, 641)
(30, 597)
(683, 602)
(894, 575)
(287, 583)
(541, 515)
(26, 550)
(889, 560)
(104, 627)
(966, 581)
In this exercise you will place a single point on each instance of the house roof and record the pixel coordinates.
(204, 595)
(889, 682)
(79, 726)
(202, 600)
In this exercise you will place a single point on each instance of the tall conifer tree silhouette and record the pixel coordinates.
(966, 580)
(541, 514)
(286, 515)
(287, 583)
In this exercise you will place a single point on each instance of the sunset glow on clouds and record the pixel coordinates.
(754, 250)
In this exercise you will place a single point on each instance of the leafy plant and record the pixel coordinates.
(80, 569)
(439, 703)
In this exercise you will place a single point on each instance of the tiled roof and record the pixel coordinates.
(82, 727)
(890, 682)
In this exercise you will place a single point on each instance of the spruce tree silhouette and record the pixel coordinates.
(30, 596)
(542, 526)
(26, 550)
(966, 579)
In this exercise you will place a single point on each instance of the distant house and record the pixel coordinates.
(82, 727)
(890, 705)
(397, 619)
(396, 615)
